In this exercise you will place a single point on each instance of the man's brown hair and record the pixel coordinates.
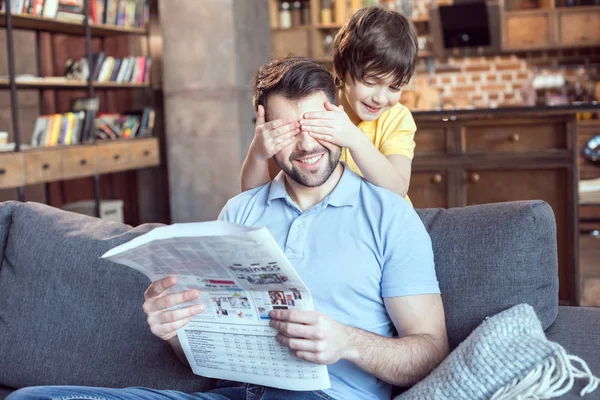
(294, 78)
(376, 42)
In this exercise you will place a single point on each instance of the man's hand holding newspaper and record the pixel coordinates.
(216, 288)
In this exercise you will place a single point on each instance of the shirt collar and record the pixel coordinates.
(344, 194)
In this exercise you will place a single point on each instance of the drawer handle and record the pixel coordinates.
(515, 137)
(436, 178)
(2, 171)
(83, 162)
(474, 178)
(116, 157)
(147, 153)
(46, 166)
(583, 38)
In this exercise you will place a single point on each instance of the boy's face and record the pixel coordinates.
(372, 96)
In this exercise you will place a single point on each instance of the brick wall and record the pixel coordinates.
(496, 81)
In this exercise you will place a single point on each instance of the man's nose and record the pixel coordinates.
(304, 141)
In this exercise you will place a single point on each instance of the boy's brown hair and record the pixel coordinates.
(376, 42)
(294, 78)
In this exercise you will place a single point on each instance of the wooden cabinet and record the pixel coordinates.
(489, 160)
(531, 30)
(550, 27)
(79, 162)
(291, 42)
(578, 28)
(11, 167)
(113, 156)
(43, 166)
(48, 164)
(429, 189)
(522, 137)
(144, 153)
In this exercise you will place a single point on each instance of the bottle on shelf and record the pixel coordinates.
(296, 13)
(326, 14)
(328, 45)
(306, 19)
(285, 15)
(341, 11)
(355, 5)
(274, 14)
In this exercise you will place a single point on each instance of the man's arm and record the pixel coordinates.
(421, 346)
(402, 361)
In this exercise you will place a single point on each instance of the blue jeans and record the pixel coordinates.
(226, 390)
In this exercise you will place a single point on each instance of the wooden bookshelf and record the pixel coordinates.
(48, 164)
(37, 23)
(69, 84)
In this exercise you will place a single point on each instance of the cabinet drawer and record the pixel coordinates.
(144, 153)
(429, 189)
(430, 140)
(11, 170)
(43, 165)
(113, 157)
(579, 28)
(527, 31)
(514, 138)
(79, 162)
(290, 42)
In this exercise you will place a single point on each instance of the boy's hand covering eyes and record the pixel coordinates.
(332, 125)
(271, 137)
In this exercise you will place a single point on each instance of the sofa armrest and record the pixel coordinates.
(577, 330)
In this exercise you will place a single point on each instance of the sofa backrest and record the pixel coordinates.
(68, 317)
(491, 257)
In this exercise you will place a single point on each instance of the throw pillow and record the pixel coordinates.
(507, 357)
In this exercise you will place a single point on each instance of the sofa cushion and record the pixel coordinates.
(68, 317)
(491, 257)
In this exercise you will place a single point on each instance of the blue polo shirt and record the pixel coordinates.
(360, 244)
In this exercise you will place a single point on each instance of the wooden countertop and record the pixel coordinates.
(490, 113)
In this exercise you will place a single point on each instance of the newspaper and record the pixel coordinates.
(242, 275)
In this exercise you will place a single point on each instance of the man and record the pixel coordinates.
(362, 251)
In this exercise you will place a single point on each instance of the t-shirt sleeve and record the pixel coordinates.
(398, 133)
(408, 267)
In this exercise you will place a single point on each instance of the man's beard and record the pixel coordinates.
(315, 178)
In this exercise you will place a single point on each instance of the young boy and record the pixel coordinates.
(374, 56)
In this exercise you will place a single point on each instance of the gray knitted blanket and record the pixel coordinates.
(507, 357)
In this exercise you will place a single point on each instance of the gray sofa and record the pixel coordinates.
(67, 317)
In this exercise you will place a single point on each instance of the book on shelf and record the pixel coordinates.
(125, 126)
(84, 125)
(122, 13)
(110, 69)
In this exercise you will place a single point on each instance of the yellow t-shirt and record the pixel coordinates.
(392, 133)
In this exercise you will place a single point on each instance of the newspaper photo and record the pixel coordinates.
(242, 274)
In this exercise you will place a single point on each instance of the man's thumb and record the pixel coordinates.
(341, 107)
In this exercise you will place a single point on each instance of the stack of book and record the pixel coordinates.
(111, 69)
(123, 13)
(125, 126)
(75, 127)
(82, 125)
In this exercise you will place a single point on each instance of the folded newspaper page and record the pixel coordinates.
(242, 275)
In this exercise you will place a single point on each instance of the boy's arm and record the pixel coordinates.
(389, 168)
(391, 172)
(269, 138)
(255, 172)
